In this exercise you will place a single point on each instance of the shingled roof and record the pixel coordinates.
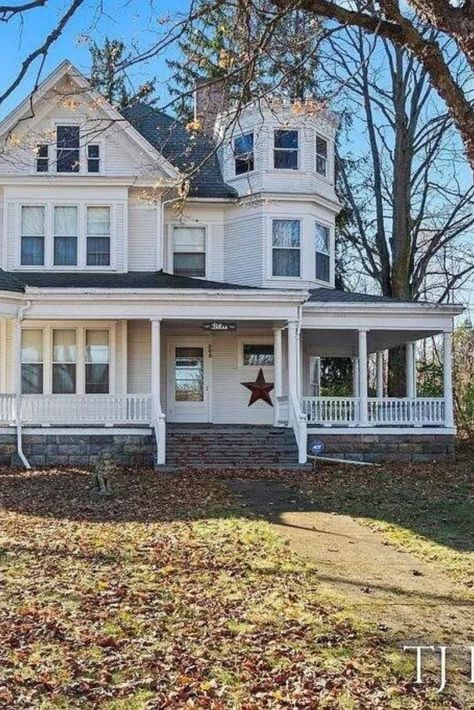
(129, 280)
(183, 149)
(334, 295)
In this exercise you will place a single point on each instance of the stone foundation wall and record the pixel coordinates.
(383, 448)
(78, 449)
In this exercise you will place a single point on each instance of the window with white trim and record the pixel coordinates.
(68, 149)
(42, 158)
(285, 149)
(243, 154)
(258, 355)
(321, 156)
(32, 235)
(93, 158)
(189, 251)
(98, 236)
(32, 361)
(322, 245)
(79, 361)
(286, 243)
(65, 225)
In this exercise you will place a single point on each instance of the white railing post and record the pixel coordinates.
(363, 379)
(278, 377)
(380, 375)
(158, 416)
(448, 379)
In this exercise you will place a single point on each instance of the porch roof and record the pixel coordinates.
(335, 295)
(129, 280)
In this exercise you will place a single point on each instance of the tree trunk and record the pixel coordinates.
(397, 375)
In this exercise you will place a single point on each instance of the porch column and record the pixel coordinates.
(355, 376)
(363, 379)
(410, 370)
(380, 375)
(157, 413)
(278, 384)
(293, 358)
(448, 378)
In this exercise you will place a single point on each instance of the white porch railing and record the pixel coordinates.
(402, 412)
(78, 410)
(331, 410)
(344, 411)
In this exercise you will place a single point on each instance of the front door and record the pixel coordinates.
(188, 380)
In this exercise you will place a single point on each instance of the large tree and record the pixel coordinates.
(108, 77)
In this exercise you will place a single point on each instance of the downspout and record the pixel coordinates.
(19, 438)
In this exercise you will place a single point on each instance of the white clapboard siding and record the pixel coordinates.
(244, 262)
(142, 237)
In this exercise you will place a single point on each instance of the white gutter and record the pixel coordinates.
(19, 438)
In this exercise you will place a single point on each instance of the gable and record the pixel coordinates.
(66, 98)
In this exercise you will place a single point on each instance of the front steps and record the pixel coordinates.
(231, 445)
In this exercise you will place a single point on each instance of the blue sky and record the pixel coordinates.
(134, 21)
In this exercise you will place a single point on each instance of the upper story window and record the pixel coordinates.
(67, 149)
(42, 158)
(98, 236)
(285, 150)
(243, 154)
(65, 235)
(93, 158)
(321, 156)
(322, 241)
(32, 235)
(189, 251)
(286, 242)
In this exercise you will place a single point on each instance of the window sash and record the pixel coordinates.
(93, 158)
(65, 235)
(321, 155)
(42, 158)
(67, 149)
(189, 251)
(258, 355)
(286, 244)
(31, 361)
(243, 154)
(32, 235)
(285, 150)
(98, 235)
(322, 237)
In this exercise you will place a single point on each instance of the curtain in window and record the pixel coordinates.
(65, 236)
(321, 240)
(189, 256)
(64, 361)
(32, 361)
(97, 361)
(32, 235)
(286, 247)
(98, 236)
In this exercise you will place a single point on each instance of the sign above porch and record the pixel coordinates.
(216, 326)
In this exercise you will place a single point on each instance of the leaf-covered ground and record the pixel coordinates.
(165, 597)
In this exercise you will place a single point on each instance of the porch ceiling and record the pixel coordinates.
(344, 343)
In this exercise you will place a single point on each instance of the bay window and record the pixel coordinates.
(32, 361)
(65, 236)
(285, 150)
(97, 362)
(189, 251)
(98, 236)
(32, 235)
(322, 239)
(67, 149)
(321, 156)
(64, 364)
(286, 239)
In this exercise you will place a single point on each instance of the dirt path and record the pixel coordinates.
(401, 594)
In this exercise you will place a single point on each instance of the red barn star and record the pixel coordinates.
(260, 389)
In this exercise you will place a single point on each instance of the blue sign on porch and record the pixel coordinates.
(316, 448)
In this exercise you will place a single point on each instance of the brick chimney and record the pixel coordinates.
(210, 98)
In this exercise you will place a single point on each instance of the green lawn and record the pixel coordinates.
(165, 597)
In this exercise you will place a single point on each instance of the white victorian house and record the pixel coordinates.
(131, 318)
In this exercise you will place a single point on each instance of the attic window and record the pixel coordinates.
(93, 158)
(243, 154)
(321, 156)
(285, 153)
(67, 149)
(42, 162)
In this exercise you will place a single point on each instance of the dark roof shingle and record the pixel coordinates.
(183, 149)
(334, 295)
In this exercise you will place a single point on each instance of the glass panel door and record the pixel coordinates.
(188, 381)
(189, 375)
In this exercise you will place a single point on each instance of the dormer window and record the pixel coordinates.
(285, 151)
(243, 154)
(67, 149)
(42, 158)
(93, 158)
(321, 156)
(321, 240)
